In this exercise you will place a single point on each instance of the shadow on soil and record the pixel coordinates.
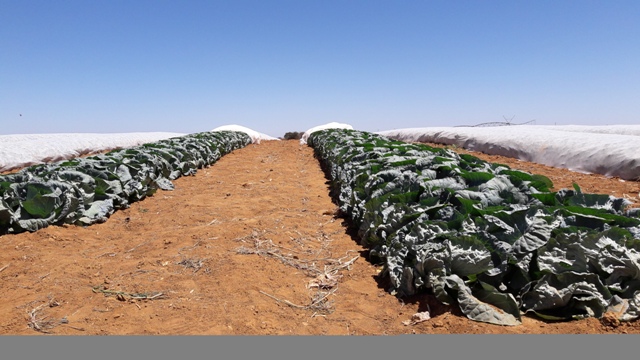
(425, 301)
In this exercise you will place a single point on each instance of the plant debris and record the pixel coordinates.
(123, 296)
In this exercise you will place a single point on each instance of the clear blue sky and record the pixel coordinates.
(276, 66)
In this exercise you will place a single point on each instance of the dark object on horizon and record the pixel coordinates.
(293, 135)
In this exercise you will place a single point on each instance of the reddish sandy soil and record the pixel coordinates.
(249, 246)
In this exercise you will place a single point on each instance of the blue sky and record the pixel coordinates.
(277, 66)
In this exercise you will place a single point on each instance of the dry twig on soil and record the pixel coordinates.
(273, 251)
(122, 296)
(43, 323)
(195, 264)
(190, 247)
(253, 236)
(137, 246)
(325, 281)
(318, 303)
(38, 322)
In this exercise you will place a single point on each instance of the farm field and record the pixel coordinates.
(252, 245)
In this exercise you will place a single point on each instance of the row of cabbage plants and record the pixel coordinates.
(88, 190)
(493, 240)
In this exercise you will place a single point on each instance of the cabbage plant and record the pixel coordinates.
(493, 240)
(84, 191)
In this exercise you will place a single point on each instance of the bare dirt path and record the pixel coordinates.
(250, 245)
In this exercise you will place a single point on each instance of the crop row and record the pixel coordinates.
(493, 240)
(84, 191)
